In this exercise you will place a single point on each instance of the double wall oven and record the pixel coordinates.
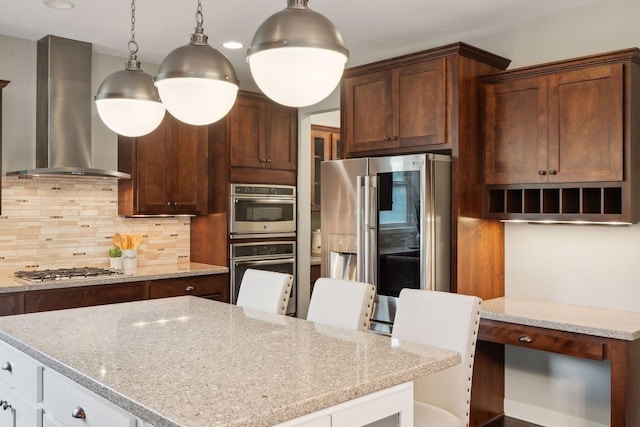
(262, 231)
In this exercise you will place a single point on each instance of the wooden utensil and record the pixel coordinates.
(117, 240)
(136, 239)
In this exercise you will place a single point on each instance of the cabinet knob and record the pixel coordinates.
(553, 172)
(263, 160)
(175, 203)
(525, 339)
(394, 137)
(268, 160)
(78, 412)
(168, 203)
(189, 288)
(542, 173)
(386, 138)
(5, 405)
(6, 366)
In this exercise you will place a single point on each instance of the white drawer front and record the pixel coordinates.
(22, 372)
(16, 411)
(48, 421)
(62, 397)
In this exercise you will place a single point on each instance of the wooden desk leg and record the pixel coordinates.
(625, 382)
(487, 387)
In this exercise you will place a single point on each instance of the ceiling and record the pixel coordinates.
(371, 29)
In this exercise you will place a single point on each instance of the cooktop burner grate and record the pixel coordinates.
(64, 273)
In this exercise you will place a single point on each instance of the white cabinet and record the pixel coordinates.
(20, 389)
(73, 405)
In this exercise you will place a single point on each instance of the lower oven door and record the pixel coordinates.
(280, 265)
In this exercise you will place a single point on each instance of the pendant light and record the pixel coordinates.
(197, 84)
(297, 56)
(127, 101)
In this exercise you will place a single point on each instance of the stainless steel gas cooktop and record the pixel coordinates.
(64, 274)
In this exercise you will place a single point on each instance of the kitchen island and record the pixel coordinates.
(192, 362)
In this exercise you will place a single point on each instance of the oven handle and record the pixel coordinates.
(237, 200)
(266, 262)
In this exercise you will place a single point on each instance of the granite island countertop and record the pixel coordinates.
(608, 323)
(193, 362)
(8, 283)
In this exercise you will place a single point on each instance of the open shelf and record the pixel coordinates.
(589, 202)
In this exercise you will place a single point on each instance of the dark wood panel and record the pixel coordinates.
(248, 133)
(262, 176)
(215, 285)
(510, 422)
(3, 83)
(209, 236)
(11, 304)
(487, 387)
(57, 299)
(282, 137)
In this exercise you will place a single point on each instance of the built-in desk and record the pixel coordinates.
(586, 332)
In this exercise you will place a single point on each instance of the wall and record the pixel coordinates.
(66, 222)
(69, 222)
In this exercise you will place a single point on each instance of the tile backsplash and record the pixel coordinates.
(69, 222)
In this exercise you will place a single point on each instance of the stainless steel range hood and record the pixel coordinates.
(63, 111)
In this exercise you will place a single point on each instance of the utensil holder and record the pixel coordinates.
(129, 260)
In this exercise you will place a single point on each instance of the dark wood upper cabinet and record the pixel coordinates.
(262, 140)
(3, 83)
(561, 140)
(562, 127)
(168, 170)
(399, 108)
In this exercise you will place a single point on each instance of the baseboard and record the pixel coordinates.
(544, 417)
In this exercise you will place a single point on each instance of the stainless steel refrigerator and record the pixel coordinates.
(386, 221)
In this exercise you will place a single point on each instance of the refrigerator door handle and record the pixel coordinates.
(366, 225)
(372, 231)
(360, 265)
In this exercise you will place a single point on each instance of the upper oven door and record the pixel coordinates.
(262, 216)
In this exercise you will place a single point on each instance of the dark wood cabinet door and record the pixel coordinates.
(84, 296)
(516, 123)
(152, 159)
(282, 138)
(168, 168)
(212, 287)
(11, 304)
(248, 133)
(367, 102)
(586, 125)
(420, 109)
(188, 174)
(325, 144)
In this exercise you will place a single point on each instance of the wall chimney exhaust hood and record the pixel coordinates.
(63, 111)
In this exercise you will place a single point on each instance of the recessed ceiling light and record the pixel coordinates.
(59, 4)
(232, 45)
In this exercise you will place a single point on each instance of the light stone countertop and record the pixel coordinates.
(8, 283)
(601, 322)
(192, 362)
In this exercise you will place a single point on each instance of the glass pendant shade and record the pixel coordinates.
(128, 102)
(297, 56)
(197, 84)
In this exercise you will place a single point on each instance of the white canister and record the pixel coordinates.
(115, 263)
(315, 242)
(129, 260)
